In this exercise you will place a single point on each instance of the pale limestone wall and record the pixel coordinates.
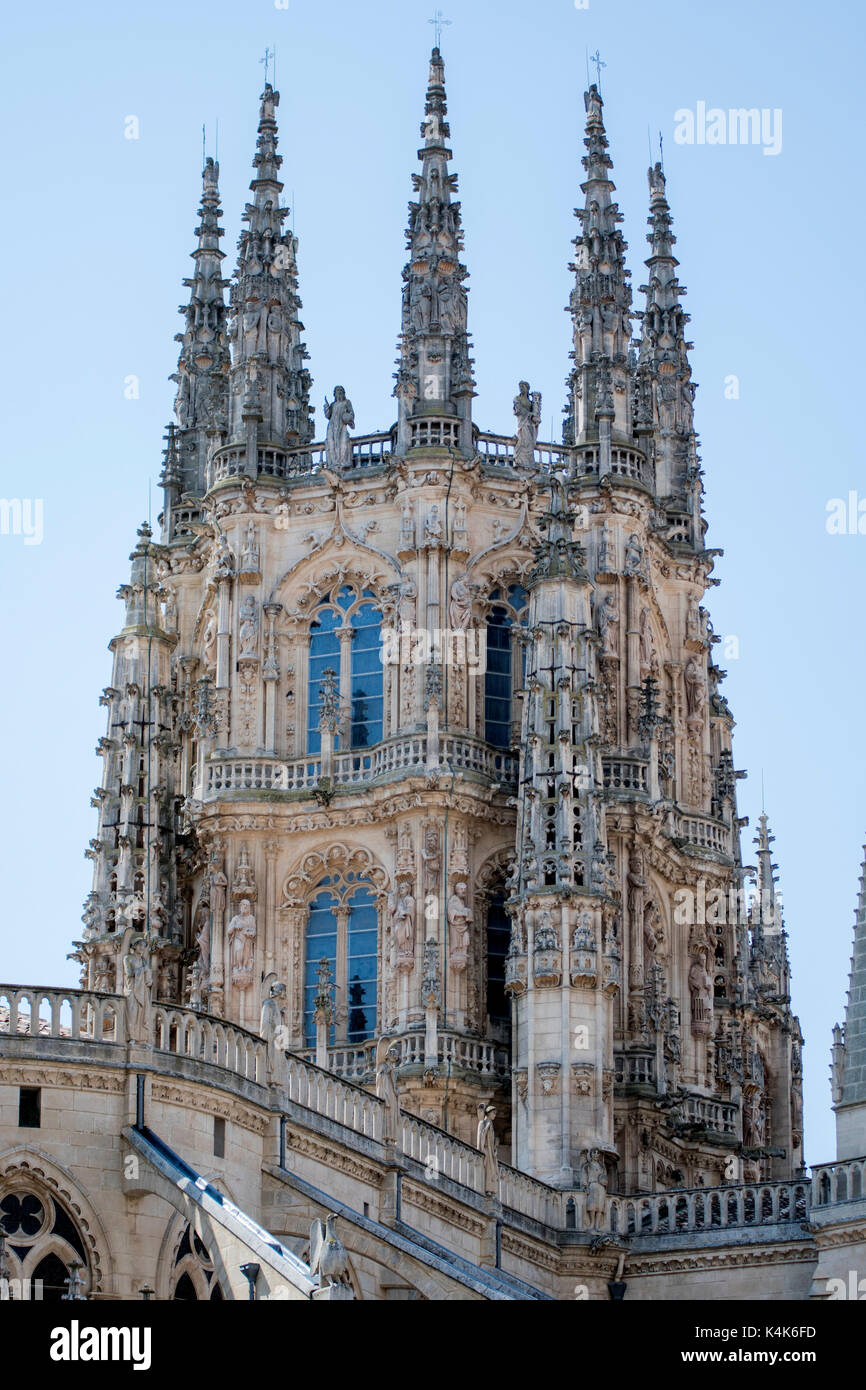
(132, 1232)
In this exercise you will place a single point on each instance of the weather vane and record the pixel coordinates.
(598, 65)
(439, 22)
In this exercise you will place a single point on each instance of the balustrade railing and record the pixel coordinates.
(231, 461)
(203, 1038)
(407, 755)
(625, 774)
(706, 1209)
(535, 1199)
(34, 1011)
(838, 1182)
(705, 833)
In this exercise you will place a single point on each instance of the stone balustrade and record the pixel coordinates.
(707, 1209)
(625, 775)
(441, 1154)
(187, 1033)
(405, 756)
(328, 1095)
(536, 1199)
(230, 462)
(36, 1011)
(705, 833)
(454, 1049)
(839, 1182)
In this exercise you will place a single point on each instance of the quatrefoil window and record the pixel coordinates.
(21, 1216)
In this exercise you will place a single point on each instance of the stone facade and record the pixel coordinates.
(418, 853)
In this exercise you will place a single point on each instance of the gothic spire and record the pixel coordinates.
(665, 391)
(601, 300)
(202, 368)
(769, 956)
(270, 395)
(434, 376)
(849, 1052)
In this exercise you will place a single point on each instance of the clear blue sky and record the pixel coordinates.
(98, 234)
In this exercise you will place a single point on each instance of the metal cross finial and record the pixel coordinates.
(439, 22)
(267, 62)
(598, 65)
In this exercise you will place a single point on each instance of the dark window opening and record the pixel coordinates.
(29, 1107)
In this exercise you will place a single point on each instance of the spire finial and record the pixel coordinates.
(439, 22)
(269, 54)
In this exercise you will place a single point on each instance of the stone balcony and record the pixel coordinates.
(427, 432)
(398, 758)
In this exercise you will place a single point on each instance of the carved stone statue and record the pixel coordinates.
(633, 555)
(402, 905)
(202, 933)
(387, 1061)
(208, 654)
(137, 984)
(459, 923)
(487, 1143)
(595, 1183)
(701, 991)
(248, 628)
(460, 607)
(271, 1025)
(341, 418)
(696, 694)
(608, 625)
(433, 526)
(242, 945)
(527, 409)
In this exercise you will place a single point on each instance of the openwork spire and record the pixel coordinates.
(270, 392)
(434, 376)
(601, 300)
(849, 1052)
(665, 390)
(202, 370)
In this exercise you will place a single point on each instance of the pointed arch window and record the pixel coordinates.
(346, 638)
(343, 929)
(498, 941)
(506, 662)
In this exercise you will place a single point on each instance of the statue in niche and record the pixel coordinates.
(633, 555)
(341, 418)
(402, 907)
(248, 628)
(274, 329)
(646, 643)
(695, 691)
(202, 932)
(250, 326)
(421, 301)
(701, 989)
(242, 945)
(459, 923)
(460, 607)
(608, 625)
(485, 1140)
(694, 631)
(137, 985)
(527, 409)
(433, 526)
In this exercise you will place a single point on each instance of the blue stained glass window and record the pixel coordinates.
(321, 944)
(497, 680)
(367, 677)
(499, 677)
(359, 988)
(324, 654)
